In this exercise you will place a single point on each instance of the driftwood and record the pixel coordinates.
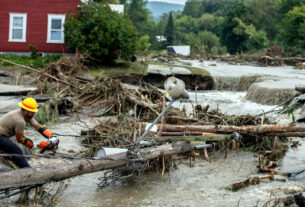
(191, 138)
(300, 65)
(140, 102)
(135, 99)
(26, 176)
(184, 133)
(279, 61)
(251, 129)
(295, 59)
(193, 133)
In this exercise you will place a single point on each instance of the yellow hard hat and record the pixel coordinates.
(29, 104)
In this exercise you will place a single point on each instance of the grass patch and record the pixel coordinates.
(198, 71)
(38, 62)
(121, 68)
(195, 71)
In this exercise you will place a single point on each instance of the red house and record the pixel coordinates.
(35, 22)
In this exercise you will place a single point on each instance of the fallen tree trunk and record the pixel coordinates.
(194, 133)
(26, 176)
(191, 138)
(268, 59)
(184, 133)
(251, 129)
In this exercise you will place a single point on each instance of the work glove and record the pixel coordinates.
(45, 132)
(28, 142)
(43, 145)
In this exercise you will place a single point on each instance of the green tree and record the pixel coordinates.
(170, 30)
(187, 24)
(216, 7)
(100, 32)
(211, 22)
(234, 42)
(143, 44)
(203, 43)
(294, 23)
(256, 39)
(192, 8)
(139, 16)
(159, 30)
(208, 21)
(162, 23)
(287, 5)
(264, 15)
(210, 41)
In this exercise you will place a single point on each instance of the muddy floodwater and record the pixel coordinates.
(201, 185)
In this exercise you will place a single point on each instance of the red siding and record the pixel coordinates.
(37, 23)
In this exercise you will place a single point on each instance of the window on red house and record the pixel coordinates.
(56, 28)
(17, 32)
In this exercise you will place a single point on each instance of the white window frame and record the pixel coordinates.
(56, 16)
(24, 22)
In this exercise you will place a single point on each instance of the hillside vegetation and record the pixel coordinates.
(220, 26)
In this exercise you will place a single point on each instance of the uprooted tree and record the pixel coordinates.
(101, 33)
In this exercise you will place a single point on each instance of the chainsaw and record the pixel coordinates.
(51, 144)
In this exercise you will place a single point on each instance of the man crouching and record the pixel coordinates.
(13, 124)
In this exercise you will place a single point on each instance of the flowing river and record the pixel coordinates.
(201, 185)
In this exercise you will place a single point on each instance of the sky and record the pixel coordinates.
(172, 1)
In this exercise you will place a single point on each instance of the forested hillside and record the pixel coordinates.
(234, 26)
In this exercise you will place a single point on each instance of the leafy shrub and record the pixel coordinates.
(33, 51)
(143, 43)
(294, 29)
(100, 32)
(204, 43)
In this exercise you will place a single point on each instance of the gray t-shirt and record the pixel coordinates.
(11, 123)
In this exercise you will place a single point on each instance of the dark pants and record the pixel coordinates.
(8, 146)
